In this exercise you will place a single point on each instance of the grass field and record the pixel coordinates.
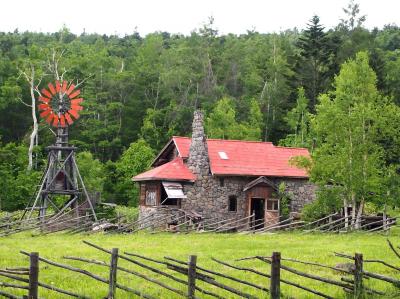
(228, 247)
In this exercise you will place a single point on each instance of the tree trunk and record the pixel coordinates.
(34, 134)
(384, 220)
(346, 214)
(353, 209)
(359, 214)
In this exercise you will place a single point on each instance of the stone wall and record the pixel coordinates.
(301, 192)
(147, 212)
(209, 199)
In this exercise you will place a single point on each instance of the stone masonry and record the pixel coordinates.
(300, 191)
(198, 161)
(207, 197)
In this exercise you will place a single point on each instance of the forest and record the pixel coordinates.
(334, 90)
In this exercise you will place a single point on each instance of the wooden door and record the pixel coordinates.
(272, 211)
(257, 208)
(270, 208)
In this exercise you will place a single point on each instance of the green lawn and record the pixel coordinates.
(228, 247)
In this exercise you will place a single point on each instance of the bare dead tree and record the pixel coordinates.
(53, 65)
(33, 82)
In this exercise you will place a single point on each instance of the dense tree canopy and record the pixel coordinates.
(141, 90)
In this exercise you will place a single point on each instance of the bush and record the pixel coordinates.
(16, 183)
(328, 201)
(284, 200)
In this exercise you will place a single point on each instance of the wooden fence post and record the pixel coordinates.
(358, 276)
(33, 275)
(113, 274)
(192, 276)
(275, 288)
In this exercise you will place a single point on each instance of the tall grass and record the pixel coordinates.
(228, 247)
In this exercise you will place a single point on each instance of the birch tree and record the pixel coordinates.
(345, 125)
(33, 80)
(298, 121)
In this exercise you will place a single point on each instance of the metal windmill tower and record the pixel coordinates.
(61, 188)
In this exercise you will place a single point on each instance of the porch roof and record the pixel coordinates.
(259, 180)
(174, 170)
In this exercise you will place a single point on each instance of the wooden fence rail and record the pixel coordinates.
(193, 273)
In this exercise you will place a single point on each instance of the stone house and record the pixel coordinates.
(223, 179)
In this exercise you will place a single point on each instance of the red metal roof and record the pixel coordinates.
(244, 158)
(174, 170)
(248, 158)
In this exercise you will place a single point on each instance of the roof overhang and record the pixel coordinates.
(161, 179)
(256, 176)
(162, 151)
(260, 180)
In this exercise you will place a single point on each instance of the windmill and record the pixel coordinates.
(61, 187)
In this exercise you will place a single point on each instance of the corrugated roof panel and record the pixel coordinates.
(250, 158)
(174, 170)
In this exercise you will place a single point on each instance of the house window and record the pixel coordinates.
(151, 195)
(221, 182)
(171, 202)
(272, 204)
(232, 203)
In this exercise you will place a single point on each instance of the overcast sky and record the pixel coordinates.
(182, 16)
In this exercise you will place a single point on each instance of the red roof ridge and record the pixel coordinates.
(290, 147)
(236, 140)
(227, 140)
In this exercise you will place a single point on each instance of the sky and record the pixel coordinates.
(183, 16)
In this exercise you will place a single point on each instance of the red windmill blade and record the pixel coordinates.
(49, 118)
(45, 113)
(58, 87)
(46, 93)
(74, 94)
(68, 118)
(43, 99)
(62, 121)
(64, 86)
(76, 101)
(55, 120)
(58, 103)
(52, 89)
(44, 106)
(70, 89)
(76, 107)
(74, 113)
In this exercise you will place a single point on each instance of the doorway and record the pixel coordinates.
(257, 208)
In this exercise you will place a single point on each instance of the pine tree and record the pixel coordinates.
(313, 63)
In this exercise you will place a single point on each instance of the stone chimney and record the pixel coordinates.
(198, 161)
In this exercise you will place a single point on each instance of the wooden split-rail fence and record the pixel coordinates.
(167, 219)
(196, 281)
